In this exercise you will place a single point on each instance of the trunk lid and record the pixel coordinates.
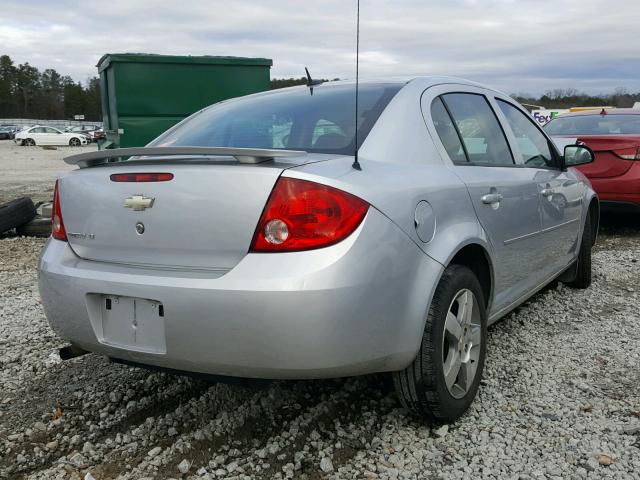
(203, 218)
(607, 163)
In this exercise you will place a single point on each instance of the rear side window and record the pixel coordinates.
(532, 143)
(479, 128)
(447, 132)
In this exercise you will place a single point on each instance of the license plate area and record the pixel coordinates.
(132, 323)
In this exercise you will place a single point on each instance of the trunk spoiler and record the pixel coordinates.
(242, 155)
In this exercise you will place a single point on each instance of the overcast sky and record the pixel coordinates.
(514, 45)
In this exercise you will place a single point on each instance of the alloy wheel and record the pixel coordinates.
(461, 342)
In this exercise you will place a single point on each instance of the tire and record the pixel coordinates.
(16, 213)
(422, 387)
(583, 263)
(29, 142)
(38, 227)
(74, 142)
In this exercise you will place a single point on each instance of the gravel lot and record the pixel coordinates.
(560, 396)
(31, 171)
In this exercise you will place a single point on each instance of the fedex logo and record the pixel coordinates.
(545, 116)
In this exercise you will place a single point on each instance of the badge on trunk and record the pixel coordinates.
(138, 202)
(140, 228)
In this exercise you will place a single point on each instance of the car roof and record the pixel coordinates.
(418, 80)
(424, 80)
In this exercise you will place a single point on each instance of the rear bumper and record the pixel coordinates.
(353, 308)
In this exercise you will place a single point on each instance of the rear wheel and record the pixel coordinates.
(74, 142)
(29, 142)
(16, 213)
(583, 263)
(443, 379)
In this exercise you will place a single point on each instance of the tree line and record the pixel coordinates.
(555, 98)
(26, 92)
(571, 97)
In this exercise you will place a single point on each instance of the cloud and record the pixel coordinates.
(517, 46)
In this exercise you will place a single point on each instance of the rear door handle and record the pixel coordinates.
(546, 192)
(491, 198)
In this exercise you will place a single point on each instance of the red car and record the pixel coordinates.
(614, 136)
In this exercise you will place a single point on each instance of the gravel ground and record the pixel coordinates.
(560, 399)
(32, 171)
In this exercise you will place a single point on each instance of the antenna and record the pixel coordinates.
(310, 81)
(356, 164)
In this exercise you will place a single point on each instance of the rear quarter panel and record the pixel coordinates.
(402, 167)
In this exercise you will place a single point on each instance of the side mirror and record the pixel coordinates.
(577, 155)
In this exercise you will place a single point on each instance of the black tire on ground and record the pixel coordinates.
(38, 227)
(583, 263)
(75, 142)
(422, 387)
(16, 213)
(29, 142)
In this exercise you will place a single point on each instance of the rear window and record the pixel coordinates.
(288, 120)
(610, 124)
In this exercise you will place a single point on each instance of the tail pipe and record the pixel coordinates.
(71, 351)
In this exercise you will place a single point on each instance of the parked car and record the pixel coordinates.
(39, 135)
(86, 130)
(614, 136)
(97, 135)
(249, 241)
(8, 132)
(5, 133)
(80, 128)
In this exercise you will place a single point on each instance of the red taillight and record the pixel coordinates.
(632, 153)
(303, 215)
(57, 224)
(141, 177)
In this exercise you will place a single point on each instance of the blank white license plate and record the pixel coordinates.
(133, 323)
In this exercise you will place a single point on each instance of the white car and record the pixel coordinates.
(49, 136)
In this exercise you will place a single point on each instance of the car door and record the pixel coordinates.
(43, 136)
(560, 191)
(504, 195)
(38, 135)
(54, 137)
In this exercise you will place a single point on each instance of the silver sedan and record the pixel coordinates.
(250, 241)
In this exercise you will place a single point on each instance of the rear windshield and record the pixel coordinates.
(287, 120)
(611, 124)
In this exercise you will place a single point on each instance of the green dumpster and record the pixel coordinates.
(144, 94)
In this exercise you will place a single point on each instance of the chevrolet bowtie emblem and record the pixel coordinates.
(138, 202)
